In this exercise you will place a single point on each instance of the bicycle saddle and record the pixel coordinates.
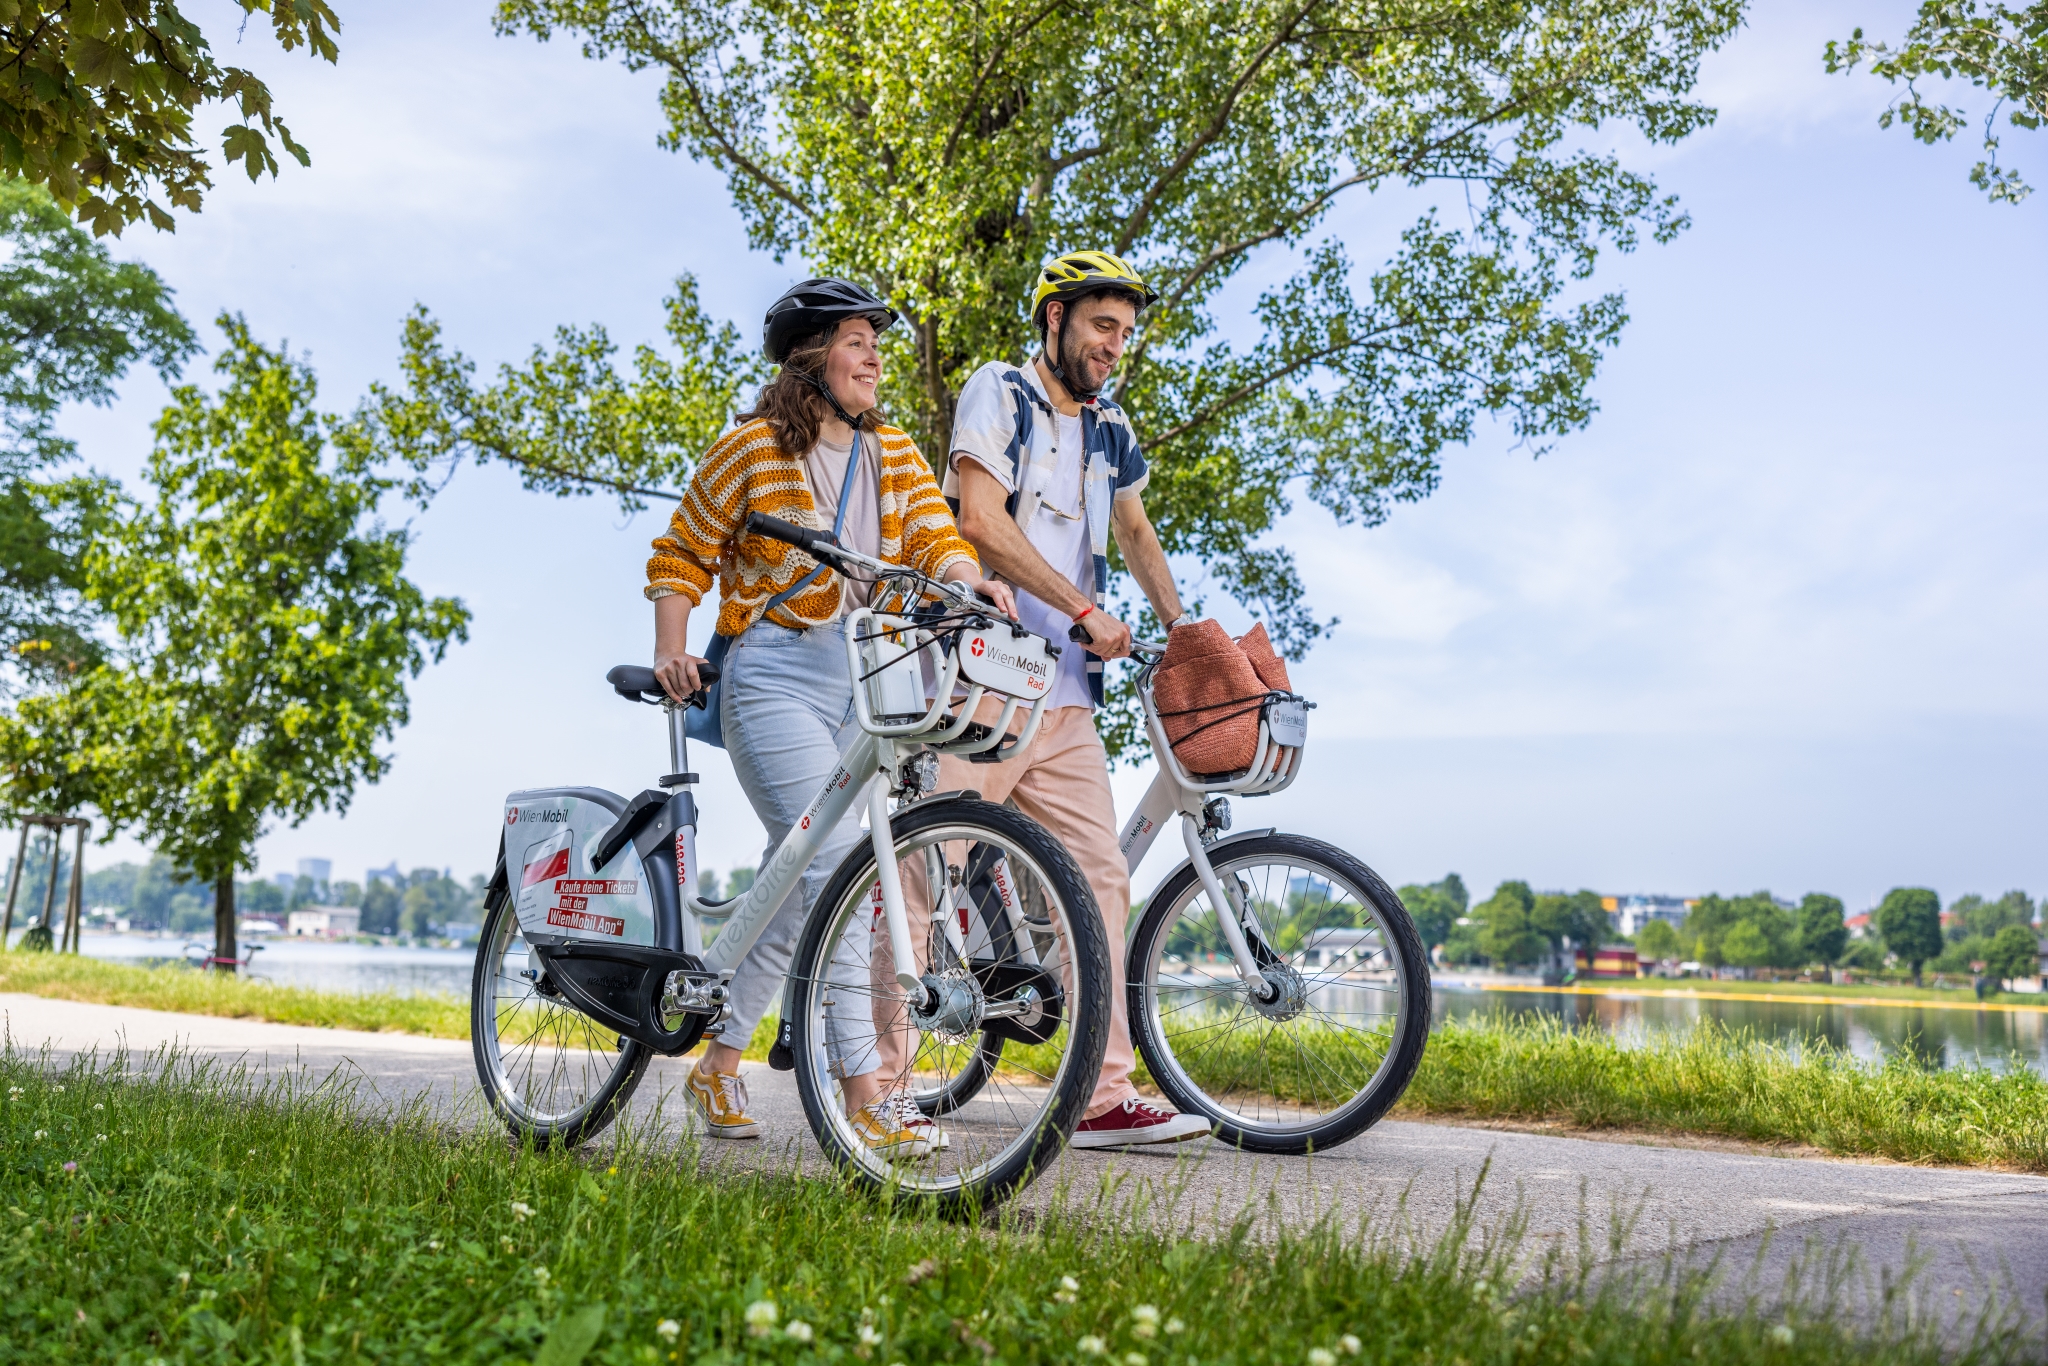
(637, 684)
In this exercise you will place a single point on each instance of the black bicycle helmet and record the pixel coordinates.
(813, 307)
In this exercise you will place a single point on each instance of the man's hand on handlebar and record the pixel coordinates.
(677, 674)
(995, 591)
(1108, 637)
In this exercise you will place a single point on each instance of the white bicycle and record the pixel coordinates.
(1298, 1016)
(595, 956)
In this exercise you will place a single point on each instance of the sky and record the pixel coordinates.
(1775, 619)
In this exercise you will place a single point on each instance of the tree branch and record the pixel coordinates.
(988, 69)
(682, 72)
(1143, 213)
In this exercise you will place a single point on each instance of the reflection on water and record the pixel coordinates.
(354, 968)
(1937, 1038)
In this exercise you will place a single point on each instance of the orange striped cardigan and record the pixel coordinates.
(747, 471)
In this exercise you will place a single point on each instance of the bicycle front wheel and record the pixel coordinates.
(1008, 1026)
(1329, 1041)
(549, 1071)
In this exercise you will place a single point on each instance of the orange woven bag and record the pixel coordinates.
(1266, 661)
(1209, 696)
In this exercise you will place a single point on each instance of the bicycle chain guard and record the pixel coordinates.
(620, 986)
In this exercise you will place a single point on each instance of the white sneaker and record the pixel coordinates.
(918, 1122)
(882, 1130)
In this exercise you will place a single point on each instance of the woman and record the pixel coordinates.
(786, 701)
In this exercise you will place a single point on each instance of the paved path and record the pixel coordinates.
(1981, 1233)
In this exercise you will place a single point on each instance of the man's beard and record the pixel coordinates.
(1073, 371)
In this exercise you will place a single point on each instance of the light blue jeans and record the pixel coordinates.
(786, 709)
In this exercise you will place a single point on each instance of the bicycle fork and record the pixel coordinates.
(1164, 800)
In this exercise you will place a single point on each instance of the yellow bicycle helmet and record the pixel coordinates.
(1084, 271)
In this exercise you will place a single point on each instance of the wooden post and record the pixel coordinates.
(75, 903)
(14, 882)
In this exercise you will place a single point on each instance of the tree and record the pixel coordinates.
(97, 97)
(1507, 936)
(1435, 907)
(72, 323)
(1657, 941)
(1745, 945)
(1576, 919)
(260, 898)
(1973, 915)
(381, 907)
(1823, 933)
(2001, 49)
(265, 632)
(941, 153)
(1910, 920)
(2015, 952)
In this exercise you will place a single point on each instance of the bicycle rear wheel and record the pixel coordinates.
(549, 1071)
(1013, 1038)
(1334, 1047)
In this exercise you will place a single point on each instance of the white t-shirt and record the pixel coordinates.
(1060, 533)
(825, 471)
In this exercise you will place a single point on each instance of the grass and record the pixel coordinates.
(1520, 1068)
(175, 1215)
(1708, 1080)
(74, 977)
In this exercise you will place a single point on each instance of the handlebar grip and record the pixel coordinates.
(707, 673)
(789, 533)
(1079, 634)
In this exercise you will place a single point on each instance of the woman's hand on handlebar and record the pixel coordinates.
(995, 590)
(677, 674)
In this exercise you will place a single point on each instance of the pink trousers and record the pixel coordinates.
(1062, 782)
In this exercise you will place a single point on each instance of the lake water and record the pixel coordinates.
(312, 963)
(1938, 1038)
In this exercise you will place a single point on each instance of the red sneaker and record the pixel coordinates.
(1138, 1121)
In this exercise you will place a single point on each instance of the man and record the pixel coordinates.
(1042, 466)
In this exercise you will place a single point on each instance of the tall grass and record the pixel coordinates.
(1708, 1080)
(178, 1216)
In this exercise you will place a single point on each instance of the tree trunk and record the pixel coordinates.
(1916, 972)
(224, 923)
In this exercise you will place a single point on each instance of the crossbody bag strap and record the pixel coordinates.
(838, 523)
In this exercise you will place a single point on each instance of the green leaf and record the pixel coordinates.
(572, 1337)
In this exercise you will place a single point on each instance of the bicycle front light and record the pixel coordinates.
(918, 775)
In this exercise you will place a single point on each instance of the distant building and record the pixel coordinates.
(318, 869)
(1332, 945)
(286, 881)
(1859, 925)
(1628, 914)
(258, 925)
(1615, 960)
(390, 875)
(326, 922)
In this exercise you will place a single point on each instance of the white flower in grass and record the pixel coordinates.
(1321, 1356)
(1782, 1335)
(1134, 1359)
(869, 1336)
(99, 1138)
(1090, 1346)
(58, 1089)
(540, 1274)
(521, 1211)
(97, 1106)
(1145, 1320)
(798, 1331)
(1351, 1345)
(42, 1133)
(668, 1330)
(761, 1318)
(1176, 1326)
(433, 1244)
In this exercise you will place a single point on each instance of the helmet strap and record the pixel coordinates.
(818, 382)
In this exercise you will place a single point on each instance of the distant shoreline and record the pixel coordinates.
(1795, 993)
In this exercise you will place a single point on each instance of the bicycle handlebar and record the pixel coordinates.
(821, 545)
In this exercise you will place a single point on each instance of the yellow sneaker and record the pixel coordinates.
(882, 1128)
(721, 1097)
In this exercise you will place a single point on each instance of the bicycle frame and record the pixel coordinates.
(1174, 790)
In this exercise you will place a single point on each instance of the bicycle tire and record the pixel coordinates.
(1223, 1081)
(596, 1077)
(1013, 1129)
